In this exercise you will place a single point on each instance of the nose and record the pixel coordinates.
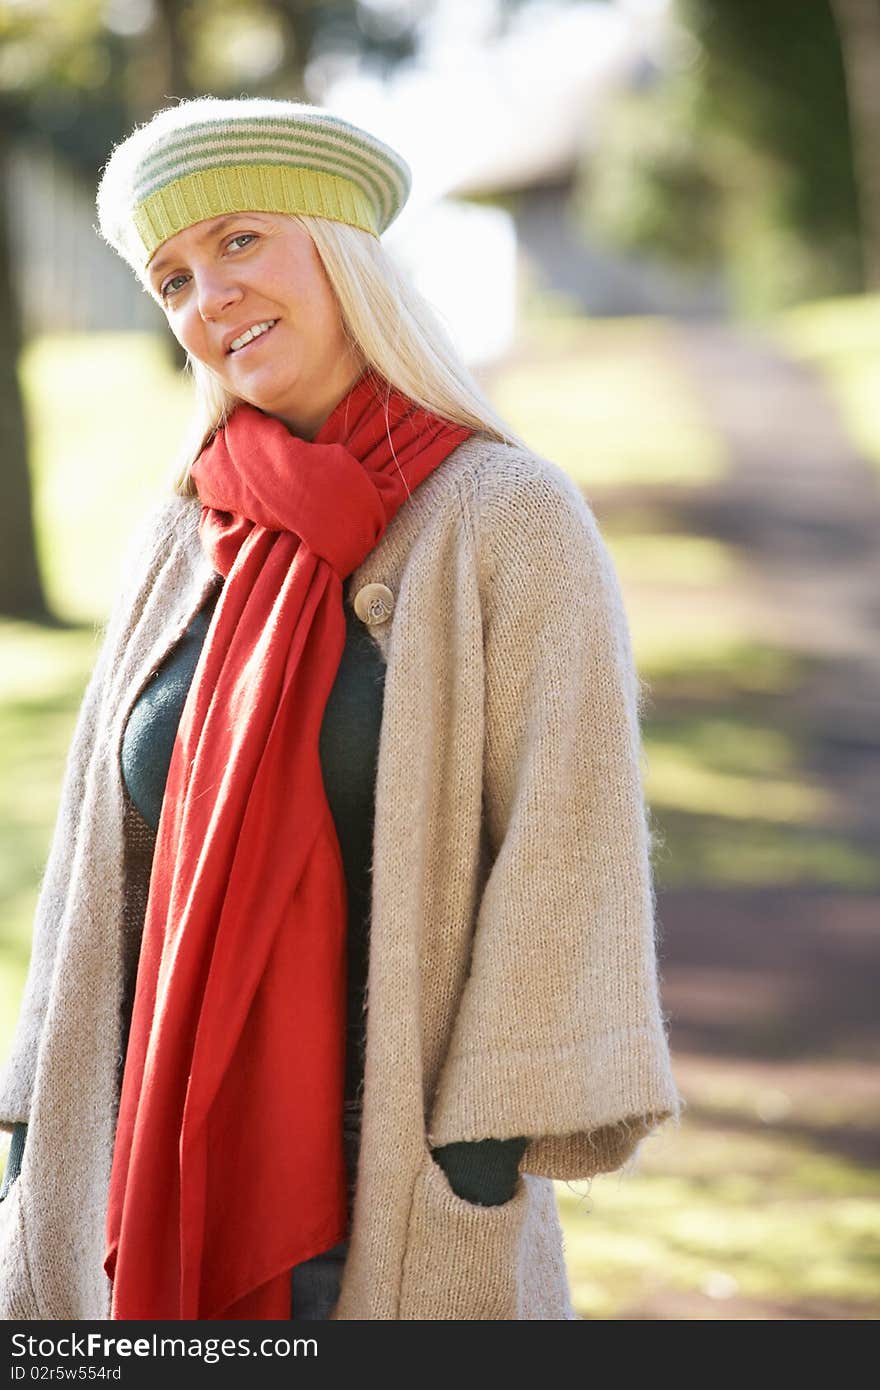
(215, 293)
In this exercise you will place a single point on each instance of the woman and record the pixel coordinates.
(345, 948)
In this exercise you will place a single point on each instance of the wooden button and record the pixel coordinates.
(374, 603)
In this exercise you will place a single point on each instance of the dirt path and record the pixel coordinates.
(786, 977)
(805, 509)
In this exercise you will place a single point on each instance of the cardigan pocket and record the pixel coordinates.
(461, 1259)
(14, 1159)
(17, 1300)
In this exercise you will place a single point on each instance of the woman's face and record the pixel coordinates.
(223, 276)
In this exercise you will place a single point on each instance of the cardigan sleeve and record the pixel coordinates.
(559, 1034)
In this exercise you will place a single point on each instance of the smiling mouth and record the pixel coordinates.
(236, 352)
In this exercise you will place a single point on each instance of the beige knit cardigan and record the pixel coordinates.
(512, 983)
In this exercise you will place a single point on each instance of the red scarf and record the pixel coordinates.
(228, 1167)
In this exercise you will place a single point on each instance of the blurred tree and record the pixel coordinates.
(55, 65)
(652, 184)
(859, 24)
(738, 152)
(21, 589)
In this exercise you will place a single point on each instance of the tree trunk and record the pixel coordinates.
(858, 23)
(21, 588)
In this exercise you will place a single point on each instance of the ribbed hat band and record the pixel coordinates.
(212, 155)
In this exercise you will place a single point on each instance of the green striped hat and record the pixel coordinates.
(213, 155)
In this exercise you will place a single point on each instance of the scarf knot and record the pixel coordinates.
(258, 476)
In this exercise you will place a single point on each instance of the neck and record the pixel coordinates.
(305, 424)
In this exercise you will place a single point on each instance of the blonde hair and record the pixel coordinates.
(389, 323)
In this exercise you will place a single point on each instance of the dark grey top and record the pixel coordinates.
(349, 750)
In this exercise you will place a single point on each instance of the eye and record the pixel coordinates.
(167, 289)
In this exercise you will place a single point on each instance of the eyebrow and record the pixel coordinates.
(205, 236)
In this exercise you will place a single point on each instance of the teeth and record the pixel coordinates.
(251, 333)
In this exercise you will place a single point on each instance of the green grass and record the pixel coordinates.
(841, 339)
(730, 1207)
(708, 666)
(736, 808)
(98, 454)
(42, 679)
(606, 400)
(689, 561)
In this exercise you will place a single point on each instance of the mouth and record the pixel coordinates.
(253, 342)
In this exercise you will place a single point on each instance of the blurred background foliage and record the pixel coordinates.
(743, 155)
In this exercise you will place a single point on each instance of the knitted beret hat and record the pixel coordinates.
(213, 155)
